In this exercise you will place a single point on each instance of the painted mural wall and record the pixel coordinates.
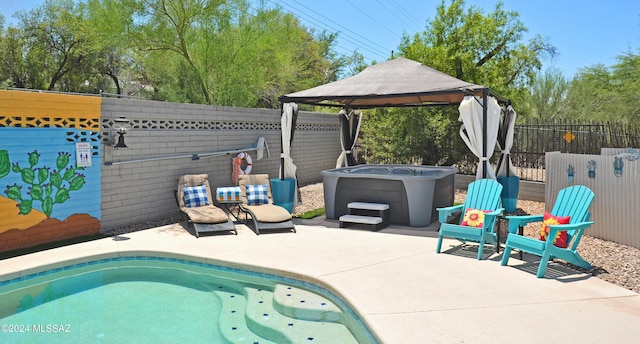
(50, 157)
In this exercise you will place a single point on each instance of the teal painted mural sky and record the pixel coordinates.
(49, 180)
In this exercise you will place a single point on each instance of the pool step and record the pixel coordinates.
(285, 314)
(264, 317)
(304, 305)
(232, 322)
(374, 216)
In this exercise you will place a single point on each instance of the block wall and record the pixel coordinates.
(138, 181)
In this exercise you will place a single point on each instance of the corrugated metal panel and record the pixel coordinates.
(616, 207)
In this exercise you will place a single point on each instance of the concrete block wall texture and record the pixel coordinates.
(138, 182)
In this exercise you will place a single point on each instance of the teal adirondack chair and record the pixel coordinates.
(572, 201)
(483, 194)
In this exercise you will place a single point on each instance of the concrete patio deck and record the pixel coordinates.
(404, 290)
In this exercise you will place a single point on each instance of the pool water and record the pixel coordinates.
(165, 300)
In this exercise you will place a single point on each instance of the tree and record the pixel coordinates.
(548, 97)
(411, 135)
(67, 45)
(177, 26)
(14, 69)
(268, 54)
(626, 74)
(465, 43)
(227, 53)
(55, 42)
(114, 56)
(222, 52)
(606, 93)
(482, 49)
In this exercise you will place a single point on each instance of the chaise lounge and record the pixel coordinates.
(196, 206)
(257, 203)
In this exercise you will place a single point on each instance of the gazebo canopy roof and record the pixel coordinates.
(398, 82)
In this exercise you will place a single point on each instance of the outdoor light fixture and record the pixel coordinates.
(121, 143)
(120, 125)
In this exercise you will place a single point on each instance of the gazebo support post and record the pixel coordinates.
(281, 146)
(485, 96)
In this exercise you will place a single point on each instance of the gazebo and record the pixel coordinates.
(403, 82)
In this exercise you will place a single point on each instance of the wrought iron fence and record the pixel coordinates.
(533, 138)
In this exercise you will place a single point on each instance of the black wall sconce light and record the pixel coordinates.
(120, 124)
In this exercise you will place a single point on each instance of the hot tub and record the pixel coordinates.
(412, 191)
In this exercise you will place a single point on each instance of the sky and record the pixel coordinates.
(586, 32)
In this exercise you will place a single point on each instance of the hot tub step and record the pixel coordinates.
(374, 216)
(367, 222)
(368, 206)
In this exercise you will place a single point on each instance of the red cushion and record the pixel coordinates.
(474, 217)
(549, 219)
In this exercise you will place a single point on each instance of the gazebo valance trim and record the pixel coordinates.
(315, 99)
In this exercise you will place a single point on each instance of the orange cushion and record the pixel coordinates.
(474, 217)
(549, 219)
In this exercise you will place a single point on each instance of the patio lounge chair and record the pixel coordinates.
(196, 205)
(477, 218)
(562, 239)
(257, 203)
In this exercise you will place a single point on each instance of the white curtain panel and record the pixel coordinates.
(472, 131)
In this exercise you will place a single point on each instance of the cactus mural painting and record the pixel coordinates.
(45, 185)
(5, 164)
(42, 179)
(44, 195)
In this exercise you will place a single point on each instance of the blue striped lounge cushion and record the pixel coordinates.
(257, 194)
(195, 196)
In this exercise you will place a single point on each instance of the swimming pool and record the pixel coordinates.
(159, 299)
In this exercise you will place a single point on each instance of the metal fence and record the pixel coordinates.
(534, 138)
(614, 210)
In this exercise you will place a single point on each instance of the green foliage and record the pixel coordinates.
(596, 93)
(417, 135)
(54, 37)
(223, 52)
(36, 180)
(548, 97)
(243, 53)
(225, 56)
(626, 75)
(465, 43)
(482, 49)
(606, 94)
(14, 69)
